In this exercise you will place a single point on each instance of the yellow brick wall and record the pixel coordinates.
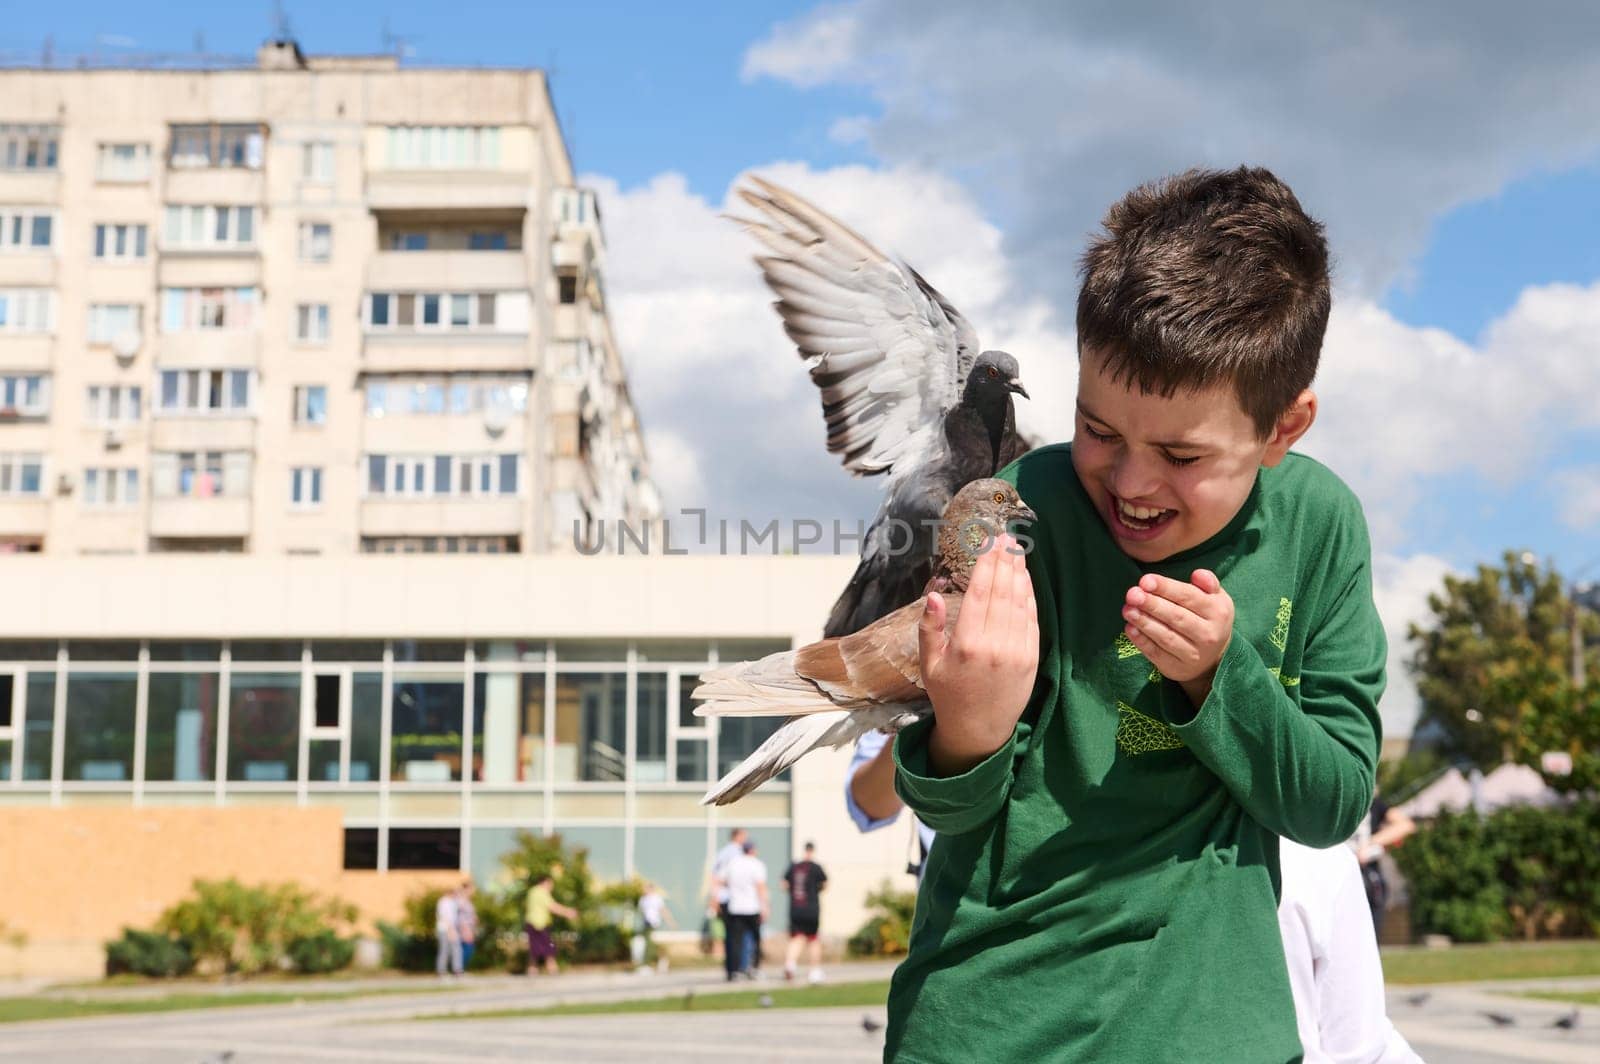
(72, 878)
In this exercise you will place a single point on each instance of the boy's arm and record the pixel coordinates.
(1306, 771)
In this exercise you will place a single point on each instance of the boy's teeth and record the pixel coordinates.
(1138, 513)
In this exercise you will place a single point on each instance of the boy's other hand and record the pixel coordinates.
(980, 675)
(1182, 628)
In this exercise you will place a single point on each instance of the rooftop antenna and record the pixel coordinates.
(47, 57)
(395, 44)
(281, 29)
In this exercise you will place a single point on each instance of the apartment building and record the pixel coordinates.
(325, 306)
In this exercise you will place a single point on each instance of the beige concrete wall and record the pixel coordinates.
(74, 877)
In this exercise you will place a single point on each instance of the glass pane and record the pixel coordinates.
(650, 728)
(675, 859)
(205, 650)
(99, 738)
(323, 763)
(425, 731)
(692, 756)
(425, 848)
(686, 704)
(591, 726)
(264, 727)
(27, 650)
(266, 650)
(5, 759)
(366, 726)
(672, 649)
(508, 727)
(181, 732)
(421, 650)
(347, 650)
(102, 650)
(39, 726)
(591, 650)
(738, 737)
(510, 650)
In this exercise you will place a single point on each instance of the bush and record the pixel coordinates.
(888, 932)
(231, 927)
(148, 953)
(320, 953)
(1531, 872)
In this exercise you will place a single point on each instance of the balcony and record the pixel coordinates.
(428, 271)
(169, 432)
(414, 352)
(188, 518)
(444, 517)
(214, 268)
(30, 186)
(28, 269)
(429, 190)
(31, 351)
(209, 348)
(214, 185)
(24, 517)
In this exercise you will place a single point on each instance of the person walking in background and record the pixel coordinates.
(446, 927)
(540, 912)
(467, 923)
(719, 896)
(1384, 827)
(803, 882)
(745, 884)
(652, 913)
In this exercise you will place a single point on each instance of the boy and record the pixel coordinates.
(1186, 665)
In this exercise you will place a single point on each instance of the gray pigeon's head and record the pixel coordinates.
(979, 512)
(994, 376)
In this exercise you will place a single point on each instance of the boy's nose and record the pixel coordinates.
(1133, 478)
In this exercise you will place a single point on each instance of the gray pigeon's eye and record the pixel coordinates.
(993, 373)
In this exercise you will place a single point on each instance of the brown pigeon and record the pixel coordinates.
(842, 687)
(905, 390)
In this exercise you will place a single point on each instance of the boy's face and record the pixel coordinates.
(1167, 474)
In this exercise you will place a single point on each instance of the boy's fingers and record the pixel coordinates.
(1024, 615)
(1206, 581)
(1186, 595)
(980, 588)
(930, 632)
(1164, 638)
(1181, 620)
(997, 617)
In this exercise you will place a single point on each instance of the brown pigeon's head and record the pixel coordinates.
(979, 512)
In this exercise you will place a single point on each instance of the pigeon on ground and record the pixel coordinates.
(1418, 1000)
(765, 1001)
(838, 689)
(1499, 1019)
(1568, 1022)
(870, 1025)
(905, 390)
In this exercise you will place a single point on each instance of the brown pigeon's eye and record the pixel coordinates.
(993, 373)
(999, 496)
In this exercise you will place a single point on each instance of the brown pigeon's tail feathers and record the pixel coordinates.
(766, 688)
(797, 738)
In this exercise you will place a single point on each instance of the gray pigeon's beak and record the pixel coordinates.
(1014, 385)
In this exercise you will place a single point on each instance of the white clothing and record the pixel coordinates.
(447, 915)
(744, 877)
(719, 867)
(1332, 954)
(651, 907)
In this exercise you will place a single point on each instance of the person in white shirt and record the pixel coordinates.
(745, 881)
(1332, 953)
(447, 928)
(718, 903)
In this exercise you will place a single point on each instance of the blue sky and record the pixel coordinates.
(1449, 196)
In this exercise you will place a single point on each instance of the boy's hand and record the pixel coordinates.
(980, 675)
(1182, 628)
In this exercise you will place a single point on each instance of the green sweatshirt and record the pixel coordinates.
(1104, 886)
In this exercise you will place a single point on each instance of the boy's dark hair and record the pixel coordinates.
(1209, 277)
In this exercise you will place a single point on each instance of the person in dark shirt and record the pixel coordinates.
(804, 882)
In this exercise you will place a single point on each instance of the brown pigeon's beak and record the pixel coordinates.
(1023, 512)
(1014, 385)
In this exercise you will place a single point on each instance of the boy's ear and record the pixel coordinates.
(1293, 423)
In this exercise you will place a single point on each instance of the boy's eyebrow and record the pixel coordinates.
(1171, 445)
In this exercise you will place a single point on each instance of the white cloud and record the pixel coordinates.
(1400, 589)
(1382, 117)
(1577, 493)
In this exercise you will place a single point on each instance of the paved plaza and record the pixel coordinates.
(1448, 1028)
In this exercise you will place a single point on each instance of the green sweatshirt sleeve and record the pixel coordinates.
(952, 805)
(1303, 771)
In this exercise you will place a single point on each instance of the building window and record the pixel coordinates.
(28, 147)
(446, 311)
(403, 241)
(200, 474)
(110, 487)
(419, 476)
(443, 147)
(21, 475)
(191, 309)
(200, 227)
(311, 323)
(107, 321)
(232, 147)
(206, 391)
(316, 161)
(24, 395)
(24, 229)
(114, 242)
(316, 241)
(122, 162)
(113, 404)
(27, 310)
(496, 240)
(567, 288)
(361, 848)
(305, 486)
(452, 394)
(440, 544)
(311, 404)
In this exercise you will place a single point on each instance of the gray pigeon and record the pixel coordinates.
(905, 390)
(840, 688)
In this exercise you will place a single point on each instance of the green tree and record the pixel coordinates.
(1494, 669)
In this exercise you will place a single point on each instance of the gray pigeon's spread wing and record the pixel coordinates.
(888, 352)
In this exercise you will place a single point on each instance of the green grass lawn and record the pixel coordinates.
(1576, 997)
(17, 1009)
(1502, 960)
(830, 995)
